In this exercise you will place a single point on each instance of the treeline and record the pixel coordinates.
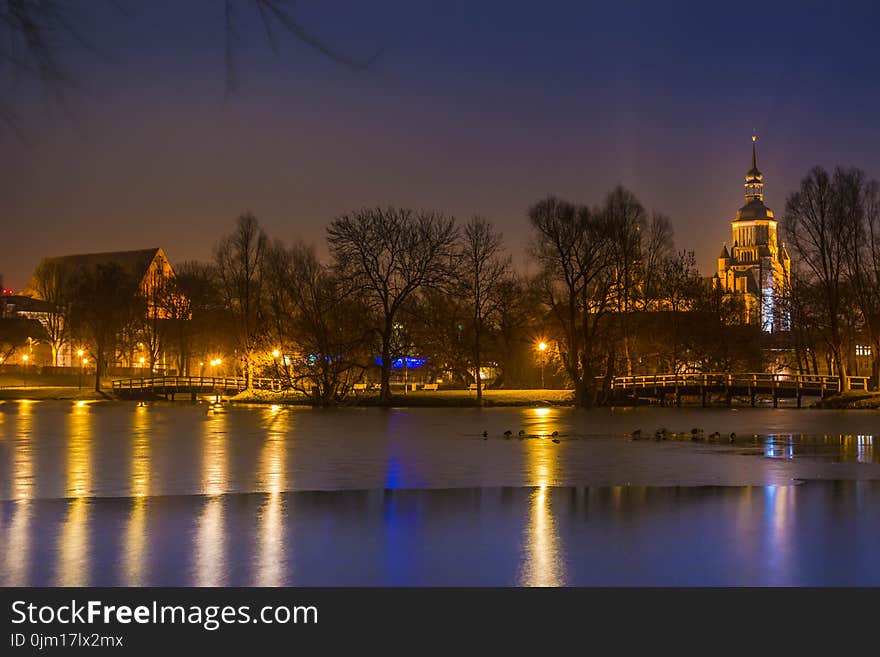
(832, 224)
(611, 295)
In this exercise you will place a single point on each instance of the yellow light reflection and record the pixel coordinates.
(270, 556)
(18, 533)
(17, 540)
(79, 452)
(543, 563)
(210, 566)
(214, 464)
(210, 562)
(23, 454)
(135, 557)
(73, 540)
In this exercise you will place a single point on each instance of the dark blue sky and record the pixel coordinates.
(472, 107)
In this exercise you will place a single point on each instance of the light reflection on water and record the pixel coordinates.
(73, 539)
(135, 554)
(174, 495)
(542, 564)
(210, 538)
(844, 448)
(811, 534)
(17, 557)
(271, 555)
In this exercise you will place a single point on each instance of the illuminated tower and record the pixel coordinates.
(757, 266)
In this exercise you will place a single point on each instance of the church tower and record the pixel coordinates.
(756, 266)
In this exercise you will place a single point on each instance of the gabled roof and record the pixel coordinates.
(724, 252)
(133, 263)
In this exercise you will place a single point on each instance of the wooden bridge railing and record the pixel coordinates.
(763, 380)
(191, 383)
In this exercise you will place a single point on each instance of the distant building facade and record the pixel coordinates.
(149, 267)
(757, 267)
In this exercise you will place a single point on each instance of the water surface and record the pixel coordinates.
(175, 494)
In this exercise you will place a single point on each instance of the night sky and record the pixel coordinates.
(471, 107)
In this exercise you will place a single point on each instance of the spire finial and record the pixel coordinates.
(754, 153)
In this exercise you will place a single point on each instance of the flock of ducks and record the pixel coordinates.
(554, 437)
(695, 435)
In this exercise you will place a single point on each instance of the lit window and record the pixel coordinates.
(863, 350)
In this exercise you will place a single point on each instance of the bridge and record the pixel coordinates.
(169, 386)
(664, 387)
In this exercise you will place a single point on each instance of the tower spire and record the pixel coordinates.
(754, 178)
(754, 153)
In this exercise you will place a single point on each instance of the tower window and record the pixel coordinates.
(863, 350)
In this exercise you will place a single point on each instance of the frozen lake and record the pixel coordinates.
(174, 494)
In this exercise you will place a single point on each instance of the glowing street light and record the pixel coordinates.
(82, 363)
(276, 354)
(542, 349)
(24, 359)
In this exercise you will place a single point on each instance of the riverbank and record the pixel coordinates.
(855, 399)
(421, 398)
(46, 393)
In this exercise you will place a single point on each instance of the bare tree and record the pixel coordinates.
(483, 269)
(321, 328)
(52, 283)
(682, 286)
(193, 308)
(657, 247)
(817, 221)
(625, 219)
(37, 35)
(105, 304)
(386, 255)
(571, 246)
(861, 199)
(239, 259)
(160, 294)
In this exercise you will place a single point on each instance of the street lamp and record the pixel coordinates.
(24, 359)
(80, 353)
(275, 354)
(542, 348)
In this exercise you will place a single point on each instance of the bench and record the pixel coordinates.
(431, 386)
(359, 386)
(472, 386)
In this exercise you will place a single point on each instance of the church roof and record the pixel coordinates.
(134, 263)
(724, 252)
(754, 209)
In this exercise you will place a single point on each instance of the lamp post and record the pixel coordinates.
(79, 354)
(542, 349)
(275, 354)
(24, 359)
